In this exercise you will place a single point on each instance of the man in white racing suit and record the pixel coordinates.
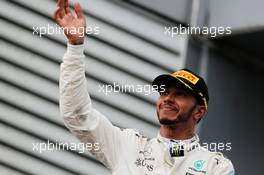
(182, 104)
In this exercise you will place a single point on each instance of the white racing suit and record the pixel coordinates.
(126, 152)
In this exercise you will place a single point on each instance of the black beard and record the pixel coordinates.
(180, 119)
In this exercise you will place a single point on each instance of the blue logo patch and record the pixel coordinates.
(231, 173)
(199, 164)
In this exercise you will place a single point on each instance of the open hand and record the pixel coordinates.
(74, 26)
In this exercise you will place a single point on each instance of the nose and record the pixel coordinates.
(169, 98)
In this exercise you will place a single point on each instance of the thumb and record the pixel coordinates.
(78, 10)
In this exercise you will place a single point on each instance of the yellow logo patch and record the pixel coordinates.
(186, 75)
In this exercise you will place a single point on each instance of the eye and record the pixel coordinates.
(164, 93)
(181, 93)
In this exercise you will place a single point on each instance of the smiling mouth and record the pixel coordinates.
(168, 108)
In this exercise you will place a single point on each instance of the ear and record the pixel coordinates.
(199, 113)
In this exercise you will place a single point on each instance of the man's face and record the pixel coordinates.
(175, 106)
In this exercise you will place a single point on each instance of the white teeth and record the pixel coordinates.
(169, 107)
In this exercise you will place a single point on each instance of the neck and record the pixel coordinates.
(177, 132)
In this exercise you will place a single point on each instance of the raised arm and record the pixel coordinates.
(86, 123)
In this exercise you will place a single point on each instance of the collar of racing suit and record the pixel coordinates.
(185, 145)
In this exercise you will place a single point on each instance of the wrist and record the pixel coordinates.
(76, 42)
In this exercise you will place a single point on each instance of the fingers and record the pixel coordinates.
(60, 3)
(67, 7)
(57, 17)
(78, 10)
(62, 6)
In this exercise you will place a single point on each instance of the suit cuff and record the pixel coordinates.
(74, 52)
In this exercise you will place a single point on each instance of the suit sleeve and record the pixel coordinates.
(223, 166)
(79, 116)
